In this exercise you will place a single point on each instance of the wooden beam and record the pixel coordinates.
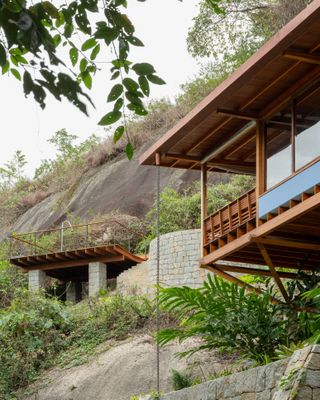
(204, 205)
(286, 96)
(237, 114)
(256, 271)
(274, 241)
(302, 56)
(273, 270)
(260, 160)
(76, 263)
(216, 269)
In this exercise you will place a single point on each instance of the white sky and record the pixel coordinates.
(161, 24)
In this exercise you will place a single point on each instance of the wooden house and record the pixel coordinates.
(264, 120)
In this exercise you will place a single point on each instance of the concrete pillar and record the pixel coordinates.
(73, 293)
(97, 278)
(37, 280)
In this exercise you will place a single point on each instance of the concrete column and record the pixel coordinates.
(97, 278)
(37, 280)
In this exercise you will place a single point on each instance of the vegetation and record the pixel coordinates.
(182, 210)
(228, 318)
(37, 331)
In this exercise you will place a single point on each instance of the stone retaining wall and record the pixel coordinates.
(295, 378)
(179, 264)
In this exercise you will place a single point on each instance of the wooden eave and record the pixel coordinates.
(221, 128)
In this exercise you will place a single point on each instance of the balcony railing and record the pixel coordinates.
(73, 237)
(230, 222)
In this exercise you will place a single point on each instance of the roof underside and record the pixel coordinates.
(262, 86)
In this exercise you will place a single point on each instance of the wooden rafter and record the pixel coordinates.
(273, 270)
(217, 270)
(302, 56)
(256, 271)
(289, 243)
(237, 114)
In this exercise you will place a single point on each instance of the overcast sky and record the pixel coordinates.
(161, 25)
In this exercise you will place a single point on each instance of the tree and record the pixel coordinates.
(238, 27)
(13, 170)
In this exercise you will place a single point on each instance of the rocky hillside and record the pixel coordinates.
(119, 185)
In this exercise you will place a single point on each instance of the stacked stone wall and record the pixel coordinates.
(180, 253)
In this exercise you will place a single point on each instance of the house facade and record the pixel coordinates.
(264, 120)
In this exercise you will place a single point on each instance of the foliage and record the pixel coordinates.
(180, 380)
(226, 317)
(182, 210)
(32, 36)
(32, 331)
(11, 281)
(240, 27)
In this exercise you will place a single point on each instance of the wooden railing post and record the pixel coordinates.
(204, 206)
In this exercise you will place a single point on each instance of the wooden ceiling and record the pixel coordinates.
(221, 128)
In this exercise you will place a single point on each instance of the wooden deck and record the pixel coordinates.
(289, 239)
(65, 253)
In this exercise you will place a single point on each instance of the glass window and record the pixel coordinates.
(307, 129)
(278, 145)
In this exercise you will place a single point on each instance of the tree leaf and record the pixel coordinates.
(5, 68)
(87, 79)
(143, 69)
(51, 9)
(130, 84)
(129, 151)
(110, 118)
(74, 55)
(3, 56)
(156, 80)
(135, 41)
(138, 109)
(95, 52)
(83, 64)
(134, 98)
(15, 73)
(118, 133)
(115, 92)
(27, 83)
(115, 75)
(118, 104)
(144, 84)
(88, 44)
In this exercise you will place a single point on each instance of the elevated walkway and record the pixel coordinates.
(66, 253)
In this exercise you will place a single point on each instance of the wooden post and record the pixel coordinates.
(204, 205)
(260, 163)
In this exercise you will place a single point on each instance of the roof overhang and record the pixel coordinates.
(220, 130)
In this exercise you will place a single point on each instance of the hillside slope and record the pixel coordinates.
(117, 185)
(124, 370)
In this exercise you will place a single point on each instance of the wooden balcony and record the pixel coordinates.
(230, 222)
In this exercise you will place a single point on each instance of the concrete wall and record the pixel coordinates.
(179, 264)
(296, 378)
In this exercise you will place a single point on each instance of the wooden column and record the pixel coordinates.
(260, 162)
(204, 205)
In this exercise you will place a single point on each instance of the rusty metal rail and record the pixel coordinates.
(74, 237)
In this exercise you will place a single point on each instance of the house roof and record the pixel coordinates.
(220, 129)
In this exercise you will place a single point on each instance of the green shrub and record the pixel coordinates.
(226, 317)
(11, 280)
(32, 332)
(180, 380)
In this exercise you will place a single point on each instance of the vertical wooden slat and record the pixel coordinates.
(204, 206)
(293, 137)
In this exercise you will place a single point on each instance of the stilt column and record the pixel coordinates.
(97, 278)
(37, 280)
